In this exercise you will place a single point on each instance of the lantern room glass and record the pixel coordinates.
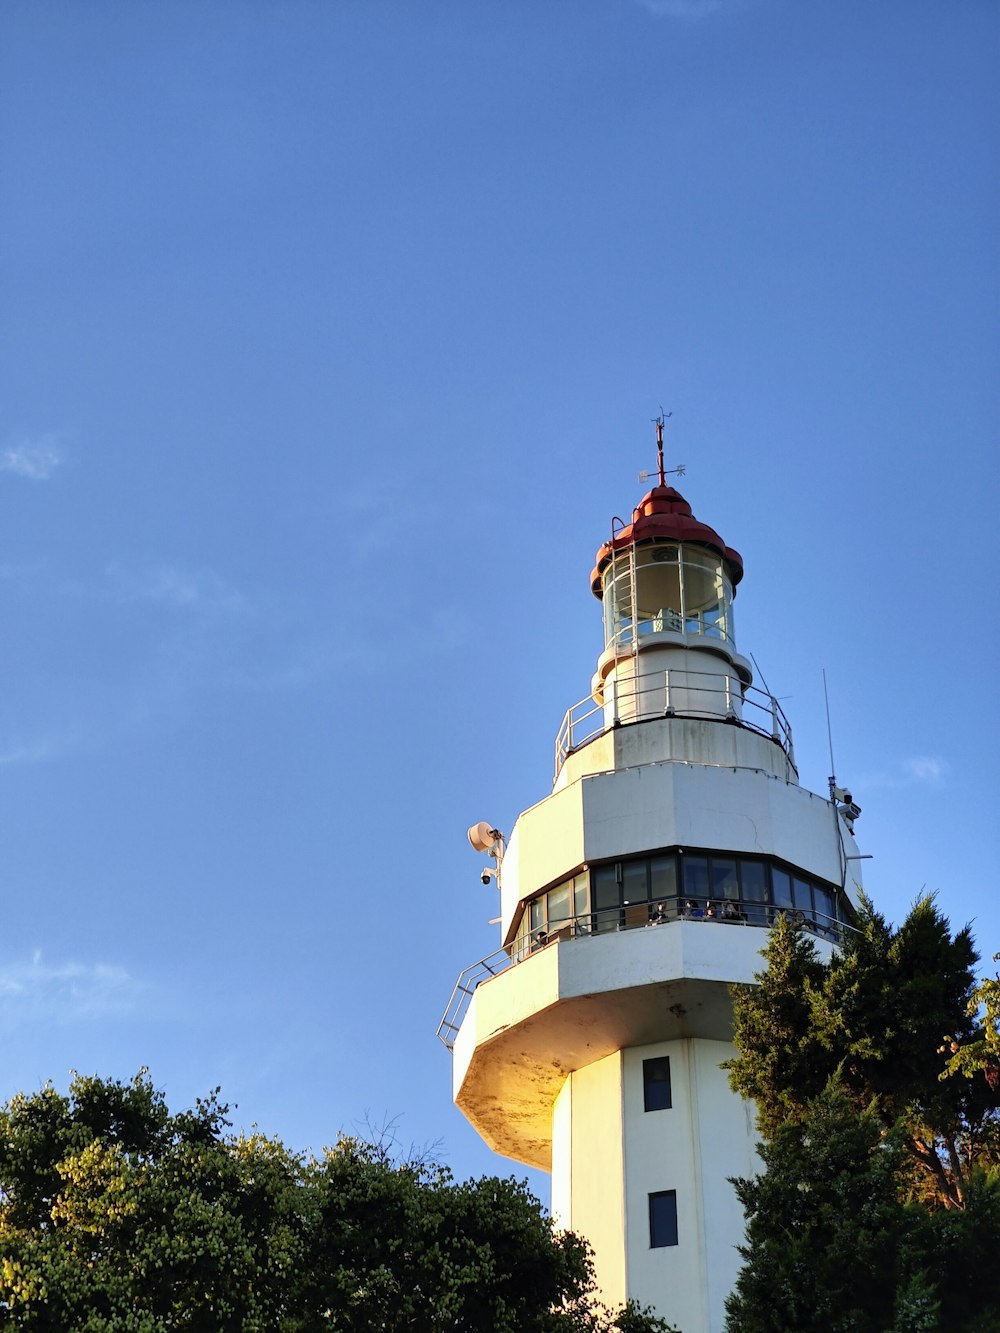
(678, 588)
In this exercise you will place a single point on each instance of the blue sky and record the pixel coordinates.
(332, 335)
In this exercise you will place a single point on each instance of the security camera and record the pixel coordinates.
(849, 814)
(487, 875)
(842, 794)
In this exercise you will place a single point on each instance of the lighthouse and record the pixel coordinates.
(633, 896)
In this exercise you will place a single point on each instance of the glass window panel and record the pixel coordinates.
(656, 1084)
(519, 948)
(781, 887)
(617, 600)
(537, 914)
(707, 595)
(581, 896)
(753, 881)
(753, 891)
(606, 892)
(702, 583)
(803, 895)
(663, 877)
(724, 882)
(658, 587)
(823, 901)
(713, 622)
(559, 904)
(634, 882)
(663, 1219)
(695, 876)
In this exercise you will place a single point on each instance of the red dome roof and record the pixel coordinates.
(664, 513)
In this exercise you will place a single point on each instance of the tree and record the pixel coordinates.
(825, 1229)
(117, 1216)
(872, 1019)
(878, 1208)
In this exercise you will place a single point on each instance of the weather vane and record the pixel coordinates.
(659, 422)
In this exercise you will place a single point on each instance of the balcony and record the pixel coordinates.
(673, 692)
(580, 931)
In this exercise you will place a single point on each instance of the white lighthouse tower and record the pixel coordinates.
(589, 1044)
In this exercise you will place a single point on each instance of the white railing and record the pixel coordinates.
(674, 693)
(465, 987)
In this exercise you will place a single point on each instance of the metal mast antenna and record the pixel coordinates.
(660, 421)
(829, 736)
(662, 471)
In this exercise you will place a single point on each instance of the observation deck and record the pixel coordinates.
(674, 692)
(517, 1034)
(823, 928)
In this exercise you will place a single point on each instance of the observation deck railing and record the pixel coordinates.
(752, 914)
(674, 693)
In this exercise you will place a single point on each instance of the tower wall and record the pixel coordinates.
(609, 1154)
(687, 740)
(586, 1181)
(694, 1147)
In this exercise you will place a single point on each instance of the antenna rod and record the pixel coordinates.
(659, 443)
(829, 736)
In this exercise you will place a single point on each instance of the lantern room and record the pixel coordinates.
(660, 586)
(667, 583)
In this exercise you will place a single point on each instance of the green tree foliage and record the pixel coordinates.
(878, 1208)
(981, 1053)
(832, 1247)
(824, 1228)
(872, 1020)
(119, 1217)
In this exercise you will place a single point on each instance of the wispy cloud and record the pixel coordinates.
(175, 586)
(923, 770)
(685, 9)
(34, 459)
(40, 749)
(69, 991)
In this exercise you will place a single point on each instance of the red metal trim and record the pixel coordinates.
(664, 513)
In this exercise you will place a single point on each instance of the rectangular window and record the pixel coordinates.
(558, 905)
(581, 898)
(781, 887)
(606, 897)
(656, 1084)
(724, 883)
(635, 893)
(753, 891)
(662, 1219)
(606, 890)
(823, 900)
(696, 878)
(634, 882)
(663, 878)
(753, 882)
(803, 896)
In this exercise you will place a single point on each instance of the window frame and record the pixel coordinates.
(651, 1084)
(664, 1230)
